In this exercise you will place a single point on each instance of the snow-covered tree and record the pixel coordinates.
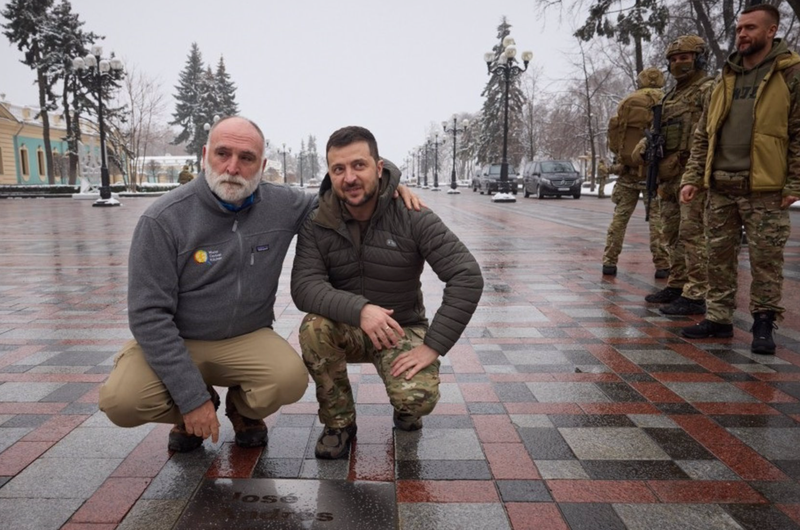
(313, 157)
(66, 39)
(189, 98)
(26, 27)
(225, 91)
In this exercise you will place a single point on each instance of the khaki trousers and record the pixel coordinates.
(261, 370)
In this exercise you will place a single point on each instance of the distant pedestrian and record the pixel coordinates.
(746, 154)
(185, 176)
(602, 178)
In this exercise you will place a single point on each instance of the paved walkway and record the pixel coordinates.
(568, 403)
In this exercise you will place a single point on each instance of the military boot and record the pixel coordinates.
(407, 422)
(335, 443)
(249, 432)
(609, 270)
(706, 329)
(181, 441)
(684, 306)
(763, 324)
(664, 296)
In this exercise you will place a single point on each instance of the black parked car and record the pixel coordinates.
(551, 177)
(488, 180)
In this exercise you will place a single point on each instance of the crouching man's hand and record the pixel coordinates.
(413, 361)
(203, 421)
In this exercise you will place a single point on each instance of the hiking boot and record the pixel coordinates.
(335, 443)
(763, 324)
(407, 422)
(685, 306)
(706, 328)
(181, 441)
(609, 270)
(662, 273)
(249, 432)
(664, 296)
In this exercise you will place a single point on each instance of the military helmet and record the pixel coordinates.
(650, 78)
(687, 44)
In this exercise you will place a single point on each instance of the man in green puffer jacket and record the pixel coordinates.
(357, 273)
(746, 152)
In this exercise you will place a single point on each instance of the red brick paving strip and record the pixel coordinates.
(535, 516)
(614, 491)
(510, 461)
(147, 459)
(21, 455)
(705, 492)
(233, 461)
(111, 501)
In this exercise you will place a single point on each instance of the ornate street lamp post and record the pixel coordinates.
(506, 66)
(283, 152)
(413, 166)
(425, 182)
(302, 155)
(455, 129)
(94, 70)
(436, 144)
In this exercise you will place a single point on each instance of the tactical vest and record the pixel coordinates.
(681, 112)
(627, 127)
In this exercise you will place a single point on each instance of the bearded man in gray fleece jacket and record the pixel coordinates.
(357, 273)
(203, 272)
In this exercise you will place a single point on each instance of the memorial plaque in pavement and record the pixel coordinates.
(249, 504)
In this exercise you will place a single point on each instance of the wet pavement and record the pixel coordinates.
(568, 403)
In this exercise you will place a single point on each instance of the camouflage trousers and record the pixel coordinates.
(625, 198)
(684, 230)
(767, 228)
(328, 346)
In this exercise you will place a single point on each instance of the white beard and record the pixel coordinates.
(231, 188)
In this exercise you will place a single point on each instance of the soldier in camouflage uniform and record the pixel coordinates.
(746, 153)
(602, 178)
(629, 186)
(683, 226)
(357, 273)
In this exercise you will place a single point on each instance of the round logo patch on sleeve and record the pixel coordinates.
(201, 256)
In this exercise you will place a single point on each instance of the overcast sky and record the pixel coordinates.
(310, 67)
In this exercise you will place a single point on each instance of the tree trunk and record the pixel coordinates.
(637, 41)
(795, 5)
(708, 31)
(48, 150)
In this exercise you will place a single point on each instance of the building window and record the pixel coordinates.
(23, 159)
(40, 162)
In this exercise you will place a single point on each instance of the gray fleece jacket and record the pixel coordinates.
(199, 271)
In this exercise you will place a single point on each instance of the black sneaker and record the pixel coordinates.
(685, 306)
(248, 432)
(763, 324)
(181, 441)
(706, 328)
(335, 443)
(609, 270)
(664, 296)
(407, 422)
(662, 273)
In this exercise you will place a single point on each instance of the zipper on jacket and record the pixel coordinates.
(239, 272)
(252, 256)
(235, 225)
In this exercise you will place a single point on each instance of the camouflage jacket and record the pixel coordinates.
(775, 151)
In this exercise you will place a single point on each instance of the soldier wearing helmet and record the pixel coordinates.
(625, 129)
(682, 225)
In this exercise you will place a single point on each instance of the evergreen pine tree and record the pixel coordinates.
(313, 157)
(188, 113)
(490, 139)
(225, 91)
(66, 40)
(27, 20)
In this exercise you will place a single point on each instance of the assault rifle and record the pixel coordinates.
(653, 155)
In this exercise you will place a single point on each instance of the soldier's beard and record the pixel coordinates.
(231, 188)
(756, 45)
